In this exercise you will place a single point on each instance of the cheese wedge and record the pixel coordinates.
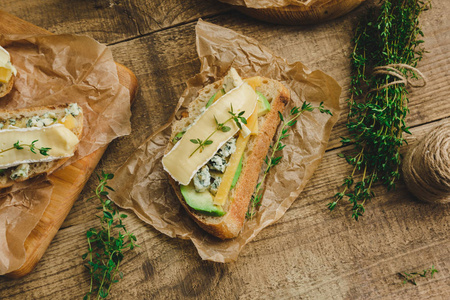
(61, 140)
(180, 163)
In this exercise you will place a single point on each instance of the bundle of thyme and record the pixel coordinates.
(378, 102)
(271, 160)
(105, 246)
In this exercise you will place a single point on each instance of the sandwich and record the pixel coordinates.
(37, 140)
(7, 73)
(217, 149)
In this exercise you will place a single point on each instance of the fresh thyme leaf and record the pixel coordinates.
(238, 119)
(272, 160)
(378, 102)
(411, 277)
(106, 246)
(17, 145)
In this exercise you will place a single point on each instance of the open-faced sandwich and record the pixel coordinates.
(7, 72)
(37, 140)
(217, 149)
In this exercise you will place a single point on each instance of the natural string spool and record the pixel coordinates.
(426, 168)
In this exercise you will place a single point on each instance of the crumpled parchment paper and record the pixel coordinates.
(56, 69)
(142, 185)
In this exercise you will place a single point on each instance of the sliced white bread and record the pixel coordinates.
(19, 119)
(236, 206)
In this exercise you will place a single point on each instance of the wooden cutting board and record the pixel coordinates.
(69, 181)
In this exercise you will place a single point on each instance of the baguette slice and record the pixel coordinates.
(5, 88)
(230, 224)
(21, 117)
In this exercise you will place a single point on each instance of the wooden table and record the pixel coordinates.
(310, 253)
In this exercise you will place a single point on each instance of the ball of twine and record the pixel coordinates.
(426, 168)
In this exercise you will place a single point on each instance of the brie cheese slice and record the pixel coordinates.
(61, 140)
(183, 161)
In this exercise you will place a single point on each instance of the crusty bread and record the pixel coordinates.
(21, 117)
(5, 88)
(230, 224)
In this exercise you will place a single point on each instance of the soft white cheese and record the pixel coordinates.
(179, 163)
(61, 140)
(6, 66)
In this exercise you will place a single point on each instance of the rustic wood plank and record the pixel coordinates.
(110, 21)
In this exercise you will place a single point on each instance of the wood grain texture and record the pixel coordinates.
(302, 15)
(309, 253)
(110, 21)
(68, 181)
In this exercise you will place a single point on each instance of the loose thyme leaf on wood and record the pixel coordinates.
(272, 160)
(106, 245)
(378, 106)
(411, 277)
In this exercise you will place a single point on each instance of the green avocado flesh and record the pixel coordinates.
(263, 104)
(237, 174)
(201, 202)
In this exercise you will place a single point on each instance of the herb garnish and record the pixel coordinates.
(17, 145)
(236, 117)
(272, 160)
(105, 248)
(411, 277)
(378, 101)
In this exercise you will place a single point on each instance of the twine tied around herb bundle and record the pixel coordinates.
(426, 168)
(393, 70)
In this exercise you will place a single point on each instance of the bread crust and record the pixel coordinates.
(48, 167)
(230, 225)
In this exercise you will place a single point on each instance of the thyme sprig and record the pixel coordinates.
(236, 117)
(378, 102)
(106, 247)
(17, 145)
(411, 277)
(271, 160)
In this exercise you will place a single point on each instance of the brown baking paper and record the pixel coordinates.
(276, 3)
(142, 185)
(21, 208)
(56, 69)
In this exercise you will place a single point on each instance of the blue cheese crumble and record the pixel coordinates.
(21, 171)
(215, 184)
(217, 162)
(73, 109)
(202, 179)
(228, 148)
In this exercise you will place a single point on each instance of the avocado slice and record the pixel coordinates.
(263, 104)
(201, 202)
(214, 97)
(237, 174)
